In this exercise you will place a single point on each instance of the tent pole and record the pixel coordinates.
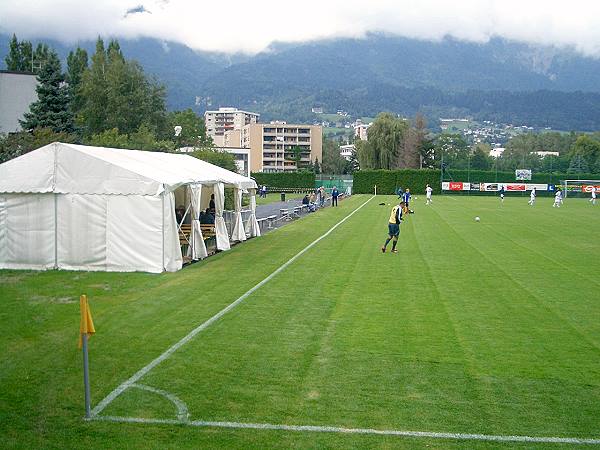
(163, 229)
(55, 231)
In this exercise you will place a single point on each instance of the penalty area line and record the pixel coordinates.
(342, 430)
(167, 353)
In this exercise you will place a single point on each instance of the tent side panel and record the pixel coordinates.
(173, 258)
(134, 233)
(28, 235)
(82, 232)
(3, 230)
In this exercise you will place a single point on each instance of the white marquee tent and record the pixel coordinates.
(76, 207)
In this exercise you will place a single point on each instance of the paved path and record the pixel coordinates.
(272, 209)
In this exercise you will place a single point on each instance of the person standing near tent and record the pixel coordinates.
(334, 196)
(394, 227)
(321, 196)
(211, 204)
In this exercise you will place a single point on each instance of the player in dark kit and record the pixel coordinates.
(394, 227)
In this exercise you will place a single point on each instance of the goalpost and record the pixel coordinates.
(579, 188)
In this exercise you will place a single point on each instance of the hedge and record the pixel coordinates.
(388, 181)
(277, 180)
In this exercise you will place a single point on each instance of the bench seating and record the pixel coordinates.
(185, 233)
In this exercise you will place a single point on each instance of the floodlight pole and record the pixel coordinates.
(86, 375)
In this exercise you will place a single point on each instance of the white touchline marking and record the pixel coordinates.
(330, 429)
(143, 371)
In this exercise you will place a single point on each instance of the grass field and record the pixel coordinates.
(479, 328)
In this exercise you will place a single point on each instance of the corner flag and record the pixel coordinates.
(86, 325)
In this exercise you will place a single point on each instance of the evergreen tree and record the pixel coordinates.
(14, 60)
(51, 110)
(116, 94)
(77, 63)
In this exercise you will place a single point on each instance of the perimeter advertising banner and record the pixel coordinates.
(496, 187)
(588, 188)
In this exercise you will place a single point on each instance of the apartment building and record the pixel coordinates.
(271, 145)
(361, 130)
(346, 151)
(17, 93)
(227, 119)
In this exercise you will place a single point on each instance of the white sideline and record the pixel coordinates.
(329, 429)
(143, 371)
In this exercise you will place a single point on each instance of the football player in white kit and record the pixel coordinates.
(428, 191)
(557, 199)
(593, 199)
(532, 197)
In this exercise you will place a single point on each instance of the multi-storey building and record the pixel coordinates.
(227, 119)
(272, 146)
(346, 151)
(361, 130)
(17, 93)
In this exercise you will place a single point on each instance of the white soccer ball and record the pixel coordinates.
(477, 219)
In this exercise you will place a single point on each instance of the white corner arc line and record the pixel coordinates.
(182, 409)
(373, 431)
(167, 353)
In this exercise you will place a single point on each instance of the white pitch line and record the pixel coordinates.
(330, 429)
(143, 371)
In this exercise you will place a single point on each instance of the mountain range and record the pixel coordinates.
(500, 80)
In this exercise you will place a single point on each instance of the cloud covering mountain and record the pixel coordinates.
(251, 27)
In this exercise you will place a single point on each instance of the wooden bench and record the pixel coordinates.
(185, 234)
(208, 230)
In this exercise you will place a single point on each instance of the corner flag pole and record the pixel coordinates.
(86, 327)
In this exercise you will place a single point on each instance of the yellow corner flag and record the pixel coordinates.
(86, 325)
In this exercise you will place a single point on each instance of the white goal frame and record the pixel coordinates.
(565, 183)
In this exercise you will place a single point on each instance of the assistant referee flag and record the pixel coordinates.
(86, 325)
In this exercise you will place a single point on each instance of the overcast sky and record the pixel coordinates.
(250, 26)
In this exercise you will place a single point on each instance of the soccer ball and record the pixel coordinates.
(477, 219)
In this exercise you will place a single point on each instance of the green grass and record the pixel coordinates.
(276, 197)
(489, 327)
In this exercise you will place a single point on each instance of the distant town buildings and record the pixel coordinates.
(17, 93)
(497, 152)
(346, 151)
(360, 130)
(227, 119)
(317, 110)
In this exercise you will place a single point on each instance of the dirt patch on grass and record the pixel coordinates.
(54, 300)
(12, 278)
(103, 286)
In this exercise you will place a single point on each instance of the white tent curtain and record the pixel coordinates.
(238, 233)
(220, 227)
(197, 250)
(173, 260)
(252, 228)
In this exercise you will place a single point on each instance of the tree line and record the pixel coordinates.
(102, 100)
(399, 143)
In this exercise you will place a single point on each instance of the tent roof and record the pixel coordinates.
(70, 168)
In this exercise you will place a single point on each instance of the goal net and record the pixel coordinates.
(579, 188)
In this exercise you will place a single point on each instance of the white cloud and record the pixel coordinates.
(234, 25)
